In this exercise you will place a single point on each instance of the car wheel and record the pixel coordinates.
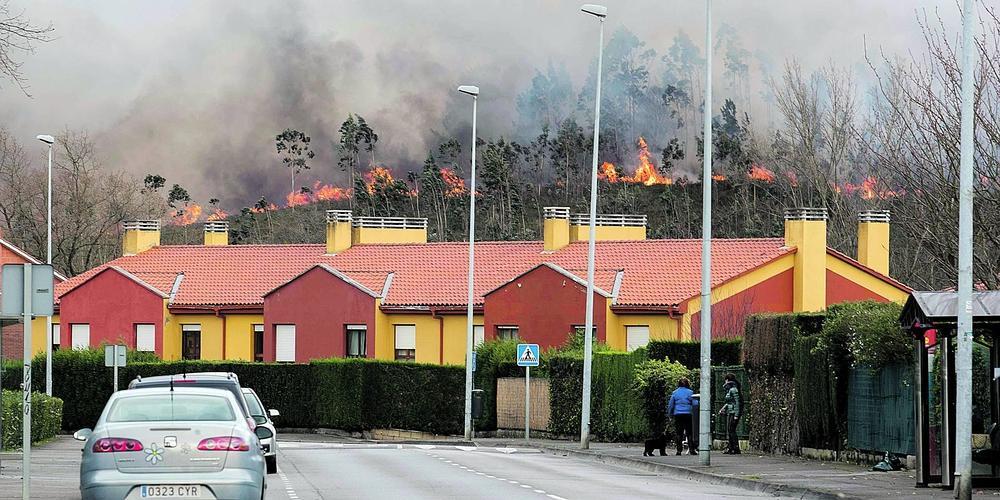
(272, 464)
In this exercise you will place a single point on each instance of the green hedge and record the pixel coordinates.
(724, 351)
(769, 339)
(817, 386)
(494, 359)
(565, 394)
(359, 394)
(655, 380)
(46, 418)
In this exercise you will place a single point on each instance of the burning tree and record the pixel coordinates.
(293, 146)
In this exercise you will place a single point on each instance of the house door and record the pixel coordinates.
(191, 345)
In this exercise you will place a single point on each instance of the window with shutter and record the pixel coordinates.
(478, 335)
(145, 338)
(284, 343)
(356, 341)
(406, 342)
(80, 334)
(636, 336)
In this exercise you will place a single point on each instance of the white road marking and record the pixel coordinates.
(288, 485)
(555, 497)
(511, 481)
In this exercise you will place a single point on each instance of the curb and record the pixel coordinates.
(700, 476)
(431, 442)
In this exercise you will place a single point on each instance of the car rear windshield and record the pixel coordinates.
(171, 408)
(255, 409)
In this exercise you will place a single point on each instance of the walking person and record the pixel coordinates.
(732, 410)
(681, 406)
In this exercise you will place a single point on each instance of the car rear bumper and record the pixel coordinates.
(229, 484)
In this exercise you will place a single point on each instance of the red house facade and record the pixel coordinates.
(326, 311)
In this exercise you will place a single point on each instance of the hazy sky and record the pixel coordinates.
(196, 90)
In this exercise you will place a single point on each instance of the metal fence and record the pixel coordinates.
(880, 409)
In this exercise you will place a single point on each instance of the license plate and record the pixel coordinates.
(171, 491)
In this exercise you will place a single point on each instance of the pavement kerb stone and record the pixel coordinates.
(697, 475)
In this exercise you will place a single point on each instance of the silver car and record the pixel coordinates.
(181, 442)
(263, 419)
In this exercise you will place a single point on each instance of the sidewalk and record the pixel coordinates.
(764, 473)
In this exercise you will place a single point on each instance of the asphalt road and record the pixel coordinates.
(312, 471)
(327, 470)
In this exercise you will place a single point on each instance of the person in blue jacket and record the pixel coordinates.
(682, 406)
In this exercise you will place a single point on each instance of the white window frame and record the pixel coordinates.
(478, 335)
(405, 339)
(364, 340)
(80, 335)
(509, 328)
(284, 352)
(255, 329)
(56, 334)
(145, 337)
(636, 336)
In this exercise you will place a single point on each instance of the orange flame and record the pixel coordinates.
(269, 208)
(608, 172)
(454, 185)
(869, 189)
(377, 175)
(759, 173)
(218, 214)
(298, 198)
(645, 173)
(718, 177)
(186, 216)
(327, 192)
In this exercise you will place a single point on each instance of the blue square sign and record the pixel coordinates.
(527, 355)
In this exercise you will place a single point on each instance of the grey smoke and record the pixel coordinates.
(195, 91)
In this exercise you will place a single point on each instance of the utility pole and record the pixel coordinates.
(963, 357)
(705, 387)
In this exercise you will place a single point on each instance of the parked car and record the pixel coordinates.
(217, 380)
(263, 419)
(172, 442)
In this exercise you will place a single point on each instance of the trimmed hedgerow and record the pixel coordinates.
(724, 351)
(46, 418)
(494, 359)
(654, 381)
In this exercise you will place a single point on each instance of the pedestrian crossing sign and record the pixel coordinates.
(527, 355)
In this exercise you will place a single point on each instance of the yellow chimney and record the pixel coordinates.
(367, 230)
(805, 229)
(607, 227)
(338, 231)
(217, 233)
(140, 235)
(555, 228)
(873, 240)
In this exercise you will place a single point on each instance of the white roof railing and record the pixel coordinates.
(391, 222)
(618, 220)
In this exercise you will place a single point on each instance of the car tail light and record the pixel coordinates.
(252, 423)
(223, 443)
(107, 445)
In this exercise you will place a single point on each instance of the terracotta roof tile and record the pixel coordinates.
(656, 272)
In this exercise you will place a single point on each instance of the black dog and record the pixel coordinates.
(657, 443)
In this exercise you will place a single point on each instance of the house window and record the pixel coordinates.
(356, 341)
(145, 338)
(579, 329)
(191, 341)
(507, 333)
(56, 334)
(258, 343)
(80, 334)
(478, 335)
(284, 343)
(636, 336)
(406, 342)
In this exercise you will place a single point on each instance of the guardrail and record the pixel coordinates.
(619, 220)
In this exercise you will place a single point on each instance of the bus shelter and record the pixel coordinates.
(931, 319)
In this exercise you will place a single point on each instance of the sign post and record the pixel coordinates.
(27, 292)
(527, 356)
(114, 356)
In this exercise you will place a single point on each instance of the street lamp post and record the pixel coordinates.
(705, 388)
(600, 12)
(48, 139)
(963, 358)
(469, 340)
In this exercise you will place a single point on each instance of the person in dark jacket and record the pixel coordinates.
(682, 406)
(731, 411)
